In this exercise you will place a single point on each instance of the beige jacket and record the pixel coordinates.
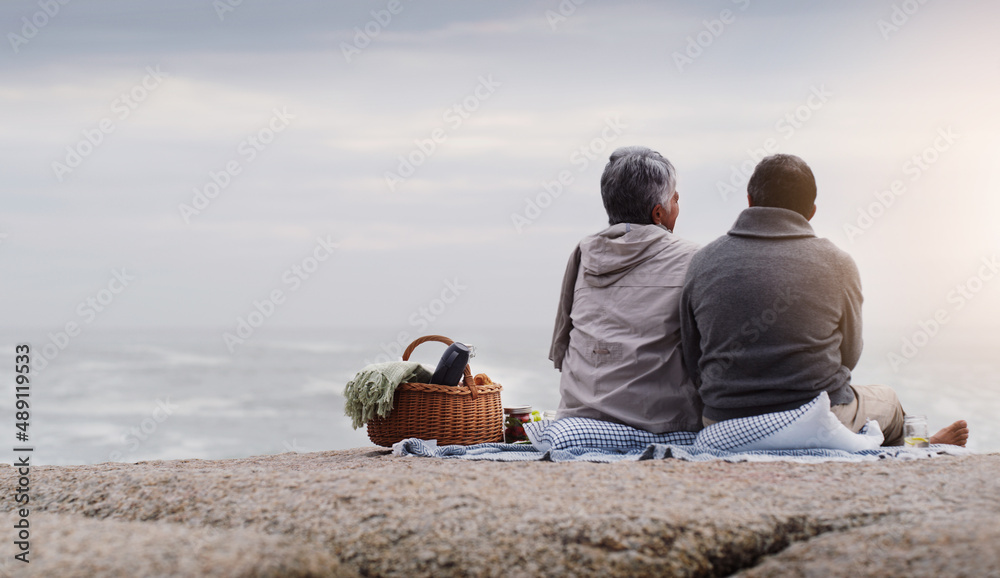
(617, 331)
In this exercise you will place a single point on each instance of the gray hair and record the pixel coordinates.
(635, 180)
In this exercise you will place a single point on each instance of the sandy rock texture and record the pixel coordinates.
(363, 512)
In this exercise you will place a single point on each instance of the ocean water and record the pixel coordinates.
(178, 394)
(131, 395)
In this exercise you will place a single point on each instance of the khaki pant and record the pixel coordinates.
(877, 402)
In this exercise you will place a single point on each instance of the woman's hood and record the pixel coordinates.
(609, 255)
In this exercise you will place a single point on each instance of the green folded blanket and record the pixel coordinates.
(370, 392)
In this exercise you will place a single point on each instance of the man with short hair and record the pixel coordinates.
(771, 314)
(617, 331)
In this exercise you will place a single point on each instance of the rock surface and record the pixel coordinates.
(362, 512)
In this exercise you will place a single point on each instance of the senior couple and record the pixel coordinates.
(659, 334)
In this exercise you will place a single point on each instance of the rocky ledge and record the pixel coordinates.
(363, 512)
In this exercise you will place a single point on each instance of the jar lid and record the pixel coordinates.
(517, 409)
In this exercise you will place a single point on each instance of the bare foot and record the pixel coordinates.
(956, 434)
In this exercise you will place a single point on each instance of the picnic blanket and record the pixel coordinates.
(809, 434)
(526, 453)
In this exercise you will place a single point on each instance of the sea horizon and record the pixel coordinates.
(127, 395)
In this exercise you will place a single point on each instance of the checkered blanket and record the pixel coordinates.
(527, 453)
(809, 434)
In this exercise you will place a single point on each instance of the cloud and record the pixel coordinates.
(354, 120)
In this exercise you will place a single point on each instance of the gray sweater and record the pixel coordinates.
(770, 317)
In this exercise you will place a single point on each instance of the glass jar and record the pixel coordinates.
(514, 418)
(549, 415)
(915, 434)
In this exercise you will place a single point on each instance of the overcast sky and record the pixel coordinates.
(114, 116)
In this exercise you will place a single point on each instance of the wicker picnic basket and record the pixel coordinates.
(464, 415)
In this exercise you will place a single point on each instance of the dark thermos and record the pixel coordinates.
(452, 365)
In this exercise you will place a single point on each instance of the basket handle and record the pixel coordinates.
(469, 382)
